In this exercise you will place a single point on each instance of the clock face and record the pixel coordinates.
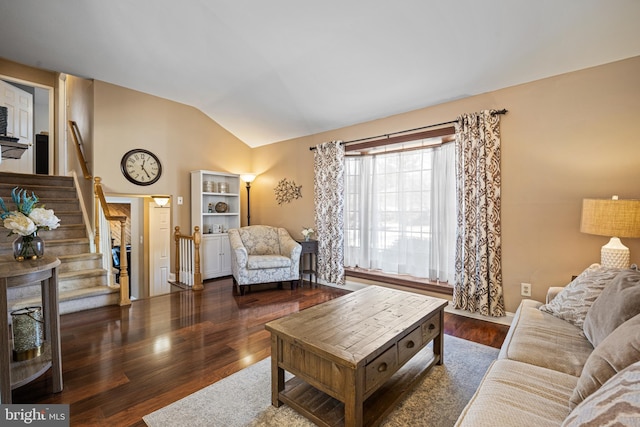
(141, 167)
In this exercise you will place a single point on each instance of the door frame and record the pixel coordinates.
(53, 137)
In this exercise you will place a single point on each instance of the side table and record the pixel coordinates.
(14, 274)
(310, 248)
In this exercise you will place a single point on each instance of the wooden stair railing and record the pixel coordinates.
(79, 144)
(101, 202)
(188, 259)
(101, 206)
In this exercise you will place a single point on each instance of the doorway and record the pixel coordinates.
(30, 108)
(132, 208)
(148, 242)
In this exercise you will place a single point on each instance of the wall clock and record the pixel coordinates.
(141, 167)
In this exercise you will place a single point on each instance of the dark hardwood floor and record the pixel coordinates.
(120, 363)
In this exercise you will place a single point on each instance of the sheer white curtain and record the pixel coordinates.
(400, 212)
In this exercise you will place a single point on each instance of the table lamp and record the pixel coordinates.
(613, 218)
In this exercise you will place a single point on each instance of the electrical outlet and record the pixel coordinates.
(525, 289)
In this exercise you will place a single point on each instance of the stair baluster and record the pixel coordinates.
(187, 265)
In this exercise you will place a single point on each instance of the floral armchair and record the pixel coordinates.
(263, 254)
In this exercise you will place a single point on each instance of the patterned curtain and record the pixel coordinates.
(478, 276)
(329, 210)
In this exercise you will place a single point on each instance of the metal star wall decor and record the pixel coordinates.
(286, 191)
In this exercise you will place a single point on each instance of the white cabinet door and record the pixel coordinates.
(215, 256)
(225, 255)
(210, 257)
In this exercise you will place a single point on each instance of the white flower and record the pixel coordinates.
(307, 231)
(20, 224)
(44, 218)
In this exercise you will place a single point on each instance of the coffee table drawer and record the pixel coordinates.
(431, 328)
(410, 345)
(381, 368)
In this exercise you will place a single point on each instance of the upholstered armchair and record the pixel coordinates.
(263, 254)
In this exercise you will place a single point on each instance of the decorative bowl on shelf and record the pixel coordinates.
(221, 207)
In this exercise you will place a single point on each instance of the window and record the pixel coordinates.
(400, 210)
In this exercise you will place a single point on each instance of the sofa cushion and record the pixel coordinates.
(518, 394)
(618, 302)
(260, 240)
(573, 302)
(256, 262)
(617, 351)
(616, 403)
(541, 339)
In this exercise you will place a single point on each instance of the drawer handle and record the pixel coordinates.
(382, 367)
(431, 326)
(411, 344)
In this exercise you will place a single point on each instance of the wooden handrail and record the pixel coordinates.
(196, 237)
(79, 144)
(101, 201)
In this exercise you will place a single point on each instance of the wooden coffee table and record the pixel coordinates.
(354, 357)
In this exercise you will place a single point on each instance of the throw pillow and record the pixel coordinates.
(573, 302)
(617, 351)
(618, 302)
(617, 403)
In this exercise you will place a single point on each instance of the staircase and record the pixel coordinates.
(82, 279)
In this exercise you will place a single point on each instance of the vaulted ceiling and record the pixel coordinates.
(268, 71)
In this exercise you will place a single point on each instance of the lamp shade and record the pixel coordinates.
(610, 217)
(248, 177)
(161, 200)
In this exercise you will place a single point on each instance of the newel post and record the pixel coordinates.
(124, 274)
(176, 236)
(197, 275)
(96, 214)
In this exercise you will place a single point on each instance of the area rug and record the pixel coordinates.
(244, 398)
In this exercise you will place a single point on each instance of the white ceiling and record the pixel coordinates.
(268, 71)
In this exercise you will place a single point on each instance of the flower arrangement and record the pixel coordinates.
(307, 233)
(26, 221)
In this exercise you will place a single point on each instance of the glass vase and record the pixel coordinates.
(28, 247)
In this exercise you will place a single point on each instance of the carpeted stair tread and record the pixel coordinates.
(70, 295)
(81, 274)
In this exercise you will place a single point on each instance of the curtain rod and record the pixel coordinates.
(387, 135)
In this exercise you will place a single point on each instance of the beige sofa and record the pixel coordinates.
(572, 361)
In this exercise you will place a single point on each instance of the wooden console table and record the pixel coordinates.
(354, 357)
(14, 274)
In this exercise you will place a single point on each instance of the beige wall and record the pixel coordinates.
(29, 74)
(79, 93)
(181, 136)
(565, 138)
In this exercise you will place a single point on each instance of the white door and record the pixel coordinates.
(19, 125)
(159, 249)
